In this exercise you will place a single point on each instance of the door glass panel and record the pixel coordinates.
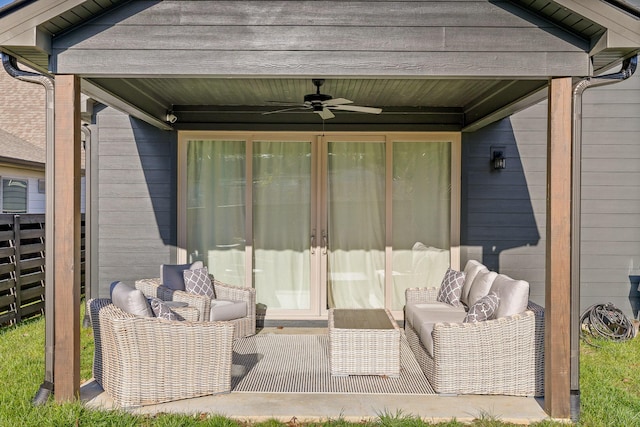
(421, 215)
(281, 224)
(356, 224)
(216, 207)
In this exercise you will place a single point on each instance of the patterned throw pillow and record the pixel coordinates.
(198, 282)
(162, 310)
(483, 309)
(451, 288)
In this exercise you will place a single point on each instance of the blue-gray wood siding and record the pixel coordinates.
(347, 38)
(503, 212)
(611, 195)
(136, 199)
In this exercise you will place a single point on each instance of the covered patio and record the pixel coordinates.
(161, 71)
(292, 393)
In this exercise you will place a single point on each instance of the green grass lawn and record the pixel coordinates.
(610, 387)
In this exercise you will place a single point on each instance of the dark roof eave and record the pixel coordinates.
(25, 164)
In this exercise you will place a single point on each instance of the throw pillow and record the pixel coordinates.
(171, 274)
(162, 310)
(129, 300)
(198, 282)
(483, 309)
(451, 288)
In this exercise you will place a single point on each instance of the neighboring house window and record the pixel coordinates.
(14, 195)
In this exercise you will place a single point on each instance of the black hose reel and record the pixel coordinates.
(605, 321)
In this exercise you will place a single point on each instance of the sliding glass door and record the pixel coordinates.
(282, 192)
(314, 222)
(422, 216)
(355, 222)
(216, 207)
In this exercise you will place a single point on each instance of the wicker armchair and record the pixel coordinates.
(244, 327)
(502, 356)
(146, 360)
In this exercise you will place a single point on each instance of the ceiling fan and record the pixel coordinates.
(323, 104)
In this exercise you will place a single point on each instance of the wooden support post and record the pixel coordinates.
(67, 238)
(558, 250)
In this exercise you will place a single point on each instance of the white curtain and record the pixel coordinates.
(356, 235)
(421, 215)
(216, 207)
(281, 223)
(282, 194)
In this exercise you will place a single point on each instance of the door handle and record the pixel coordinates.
(313, 243)
(325, 242)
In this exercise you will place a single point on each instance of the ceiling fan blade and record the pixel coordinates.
(336, 101)
(285, 110)
(357, 108)
(284, 103)
(326, 114)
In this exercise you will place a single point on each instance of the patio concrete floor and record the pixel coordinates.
(351, 407)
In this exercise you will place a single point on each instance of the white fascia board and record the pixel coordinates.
(607, 16)
(33, 37)
(612, 40)
(32, 15)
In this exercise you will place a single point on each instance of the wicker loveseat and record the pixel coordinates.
(147, 360)
(502, 356)
(244, 326)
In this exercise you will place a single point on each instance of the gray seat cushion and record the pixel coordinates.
(423, 316)
(227, 310)
(513, 295)
(412, 311)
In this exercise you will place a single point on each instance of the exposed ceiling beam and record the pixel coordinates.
(509, 109)
(99, 94)
(431, 111)
(253, 116)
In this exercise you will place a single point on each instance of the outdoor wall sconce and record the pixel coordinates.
(498, 161)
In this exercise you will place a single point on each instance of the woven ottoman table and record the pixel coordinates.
(363, 342)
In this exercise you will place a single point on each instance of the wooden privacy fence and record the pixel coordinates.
(22, 263)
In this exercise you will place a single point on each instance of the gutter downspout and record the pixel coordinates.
(628, 68)
(88, 265)
(11, 66)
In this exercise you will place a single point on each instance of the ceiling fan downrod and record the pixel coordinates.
(316, 99)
